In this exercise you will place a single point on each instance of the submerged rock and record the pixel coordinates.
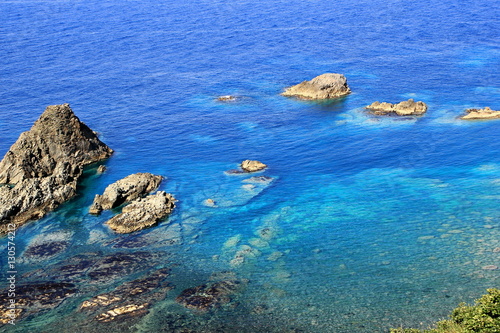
(94, 268)
(43, 166)
(143, 213)
(325, 86)
(208, 296)
(45, 250)
(34, 298)
(485, 113)
(405, 108)
(125, 190)
(131, 299)
(252, 166)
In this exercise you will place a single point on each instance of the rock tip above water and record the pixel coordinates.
(324, 86)
(125, 190)
(252, 166)
(477, 114)
(404, 108)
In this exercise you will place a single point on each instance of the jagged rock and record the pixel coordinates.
(143, 213)
(57, 136)
(125, 190)
(325, 86)
(485, 113)
(209, 296)
(32, 198)
(44, 165)
(252, 166)
(405, 108)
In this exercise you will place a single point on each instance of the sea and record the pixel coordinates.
(363, 223)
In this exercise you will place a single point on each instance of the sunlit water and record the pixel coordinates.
(370, 222)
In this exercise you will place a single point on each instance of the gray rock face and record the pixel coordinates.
(41, 169)
(143, 213)
(57, 136)
(405, 108)
(125, 190)
(485, 113)
(325, 86)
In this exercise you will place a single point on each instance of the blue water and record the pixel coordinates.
(377, 222)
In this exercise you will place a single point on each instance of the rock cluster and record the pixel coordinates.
(405, 108)
(142, 211)
(41, 169)
(325, 86)
(485, 113)
(125, 190)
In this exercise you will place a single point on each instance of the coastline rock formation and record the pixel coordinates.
(143, 213)
(41, 169)
(124, 191)
(405, 108)
(485, 113)
(325, 86)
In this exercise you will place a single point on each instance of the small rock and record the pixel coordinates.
(405, 108)
(485, 113)
(101, 169)
(227, 98)
(209, 202)
(325, 86)
(252, 166)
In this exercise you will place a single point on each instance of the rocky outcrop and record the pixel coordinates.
(485, 113)
(143, 213)
(252, 166)
(125, 190)
(41, 169)
(57, 136)
(325, 86)
(405, 108)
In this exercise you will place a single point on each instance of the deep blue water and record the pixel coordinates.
(380, 222)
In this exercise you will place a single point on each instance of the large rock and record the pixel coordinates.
(41, 169)
(405, 108)
(57, 136)
(125, 190)
(485, 113)
(143, 213)
(325, 86)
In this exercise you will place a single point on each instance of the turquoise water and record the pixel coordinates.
(370, 222)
